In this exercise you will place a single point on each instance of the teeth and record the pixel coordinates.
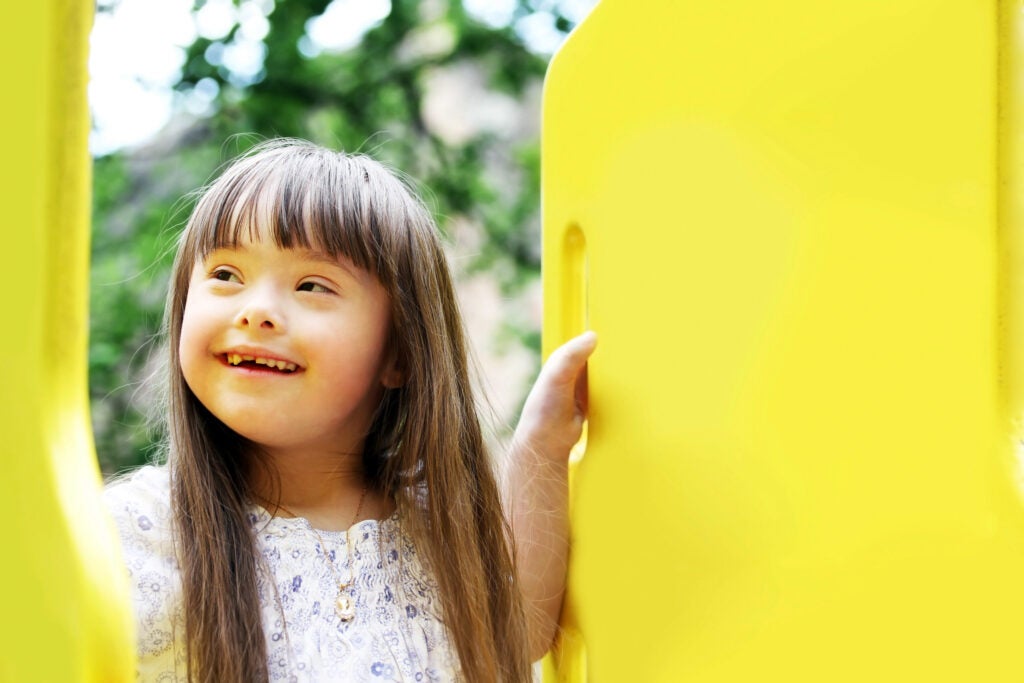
(235, 359)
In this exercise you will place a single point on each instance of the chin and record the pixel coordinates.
(259, 431)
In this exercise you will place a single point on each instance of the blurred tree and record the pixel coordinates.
(446, 98)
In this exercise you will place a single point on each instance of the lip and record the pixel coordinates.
(248, 353)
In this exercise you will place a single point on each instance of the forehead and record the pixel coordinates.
(300, 216)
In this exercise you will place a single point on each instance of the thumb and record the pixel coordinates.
(566, 362)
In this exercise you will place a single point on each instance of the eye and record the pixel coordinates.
(224, 275)
(315, 287)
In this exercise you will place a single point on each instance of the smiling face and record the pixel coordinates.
(286, 346)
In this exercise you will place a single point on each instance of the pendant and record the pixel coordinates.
(345, 608)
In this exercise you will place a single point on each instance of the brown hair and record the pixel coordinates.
(424, 450)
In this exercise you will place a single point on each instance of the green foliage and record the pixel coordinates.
(370, 98)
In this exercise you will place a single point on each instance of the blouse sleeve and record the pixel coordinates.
(140, 507)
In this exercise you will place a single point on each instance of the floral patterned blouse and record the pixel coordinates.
(396, 635)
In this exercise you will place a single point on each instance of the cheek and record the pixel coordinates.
(191, 347)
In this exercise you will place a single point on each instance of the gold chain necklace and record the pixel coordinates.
(345, 605)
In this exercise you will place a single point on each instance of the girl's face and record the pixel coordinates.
(287, 347)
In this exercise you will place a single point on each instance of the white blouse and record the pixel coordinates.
(396, 635)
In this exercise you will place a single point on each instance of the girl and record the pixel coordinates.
(328, 511)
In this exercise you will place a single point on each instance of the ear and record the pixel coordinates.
(392, 374)
(392, 379)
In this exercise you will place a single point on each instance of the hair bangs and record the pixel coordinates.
(304, 201)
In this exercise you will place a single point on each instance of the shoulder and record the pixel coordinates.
(149, 479)
(140, 506)
(146, 489)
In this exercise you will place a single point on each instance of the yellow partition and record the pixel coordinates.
(65, 601)
(796, 227)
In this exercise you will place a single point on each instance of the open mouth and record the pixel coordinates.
(253, 361)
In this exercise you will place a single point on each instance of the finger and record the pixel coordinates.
(582, 393)
(568, 360)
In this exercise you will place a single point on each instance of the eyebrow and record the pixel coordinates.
(317, 257)
(340, 261)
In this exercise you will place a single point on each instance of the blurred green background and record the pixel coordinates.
(446, 91)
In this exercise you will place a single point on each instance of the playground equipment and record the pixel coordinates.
(65, 605)
(796, 227)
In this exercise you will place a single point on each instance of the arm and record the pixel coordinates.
(536, 484)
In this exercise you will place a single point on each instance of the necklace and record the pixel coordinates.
(345, 605)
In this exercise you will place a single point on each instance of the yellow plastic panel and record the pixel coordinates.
(795, 227)
(62, 588)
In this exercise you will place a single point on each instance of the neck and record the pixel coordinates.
(325, 488)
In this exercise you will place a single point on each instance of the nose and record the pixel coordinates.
(262, 312)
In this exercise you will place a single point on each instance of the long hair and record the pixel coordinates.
(424, 449)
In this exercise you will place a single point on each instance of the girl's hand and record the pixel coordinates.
(553, 415)
(536, 484)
